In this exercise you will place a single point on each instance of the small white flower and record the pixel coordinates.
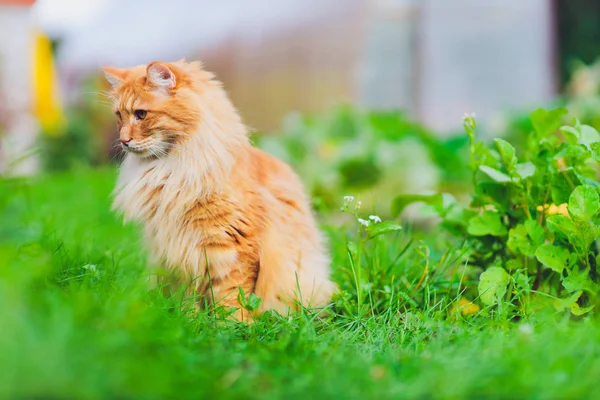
(375, 218)
(348, 199)
(89, 267)
(358, 204)
(526, 329)
(367, 287)
(363, 222)
(469, 121)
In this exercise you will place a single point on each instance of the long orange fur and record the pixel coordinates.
(213, 207)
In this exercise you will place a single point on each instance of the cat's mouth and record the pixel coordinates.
(143, 150)
(131, 149)
(136, 149)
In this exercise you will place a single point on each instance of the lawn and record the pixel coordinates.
(77, 319)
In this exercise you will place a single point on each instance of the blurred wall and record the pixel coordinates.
(273, 57)
(437, 59)
(307, 68)
(388, 78)
(484, 57)
(18, 128)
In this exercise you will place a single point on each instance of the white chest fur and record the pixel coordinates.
(158, 194)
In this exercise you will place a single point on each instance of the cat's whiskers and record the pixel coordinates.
(103, 97)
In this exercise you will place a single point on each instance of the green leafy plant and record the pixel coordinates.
(382, 269)
(87, 137)
(532, 221)
(249, 303)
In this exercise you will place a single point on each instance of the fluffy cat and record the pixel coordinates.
(221, 212)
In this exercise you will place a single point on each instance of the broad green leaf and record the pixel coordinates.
(589, 181)
(579, 233)
(493, 284)
(451, 207)
(488, 223)
(571, 304)
(485, 156)
(525, 170)
(595, 147)
(545, 123)
(571, 134)
(586, 233)
(577, 310)
(400, 202)
(494, 174)
(561, 304)
(560, 185)
(523, 281)
(562, 224)
(584, 203)
(535, 232)
(250, 303)
(514, 264)
(507, 153)
(554, 257)
(588, 135)
(456, 219)
(579, 280)
(381, 228)
(253, 303)
(525, 238)
(571, 152)
(492, 193)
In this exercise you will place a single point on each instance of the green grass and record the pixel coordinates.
(77, 320)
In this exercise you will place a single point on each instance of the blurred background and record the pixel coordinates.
(361, 96)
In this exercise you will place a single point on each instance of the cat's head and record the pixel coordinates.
(156, 105)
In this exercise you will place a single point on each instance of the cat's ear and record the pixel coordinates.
(114, 76)
(160, 76)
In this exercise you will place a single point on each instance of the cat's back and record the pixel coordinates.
(268, 167)
(260, 171)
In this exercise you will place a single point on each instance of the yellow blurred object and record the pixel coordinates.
(552, 209)
(465, 306)
(46, 102)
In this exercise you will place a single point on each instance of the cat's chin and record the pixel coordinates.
(144, 154)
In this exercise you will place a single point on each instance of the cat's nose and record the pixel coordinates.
(125, 142)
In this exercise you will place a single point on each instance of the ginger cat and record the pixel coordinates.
(213, 207)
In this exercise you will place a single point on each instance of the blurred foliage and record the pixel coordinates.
(370, 154)
(84, 138)
(578, 34)
(581, 98)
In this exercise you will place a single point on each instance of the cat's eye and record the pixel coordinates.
(140, 114)
(118, 114)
